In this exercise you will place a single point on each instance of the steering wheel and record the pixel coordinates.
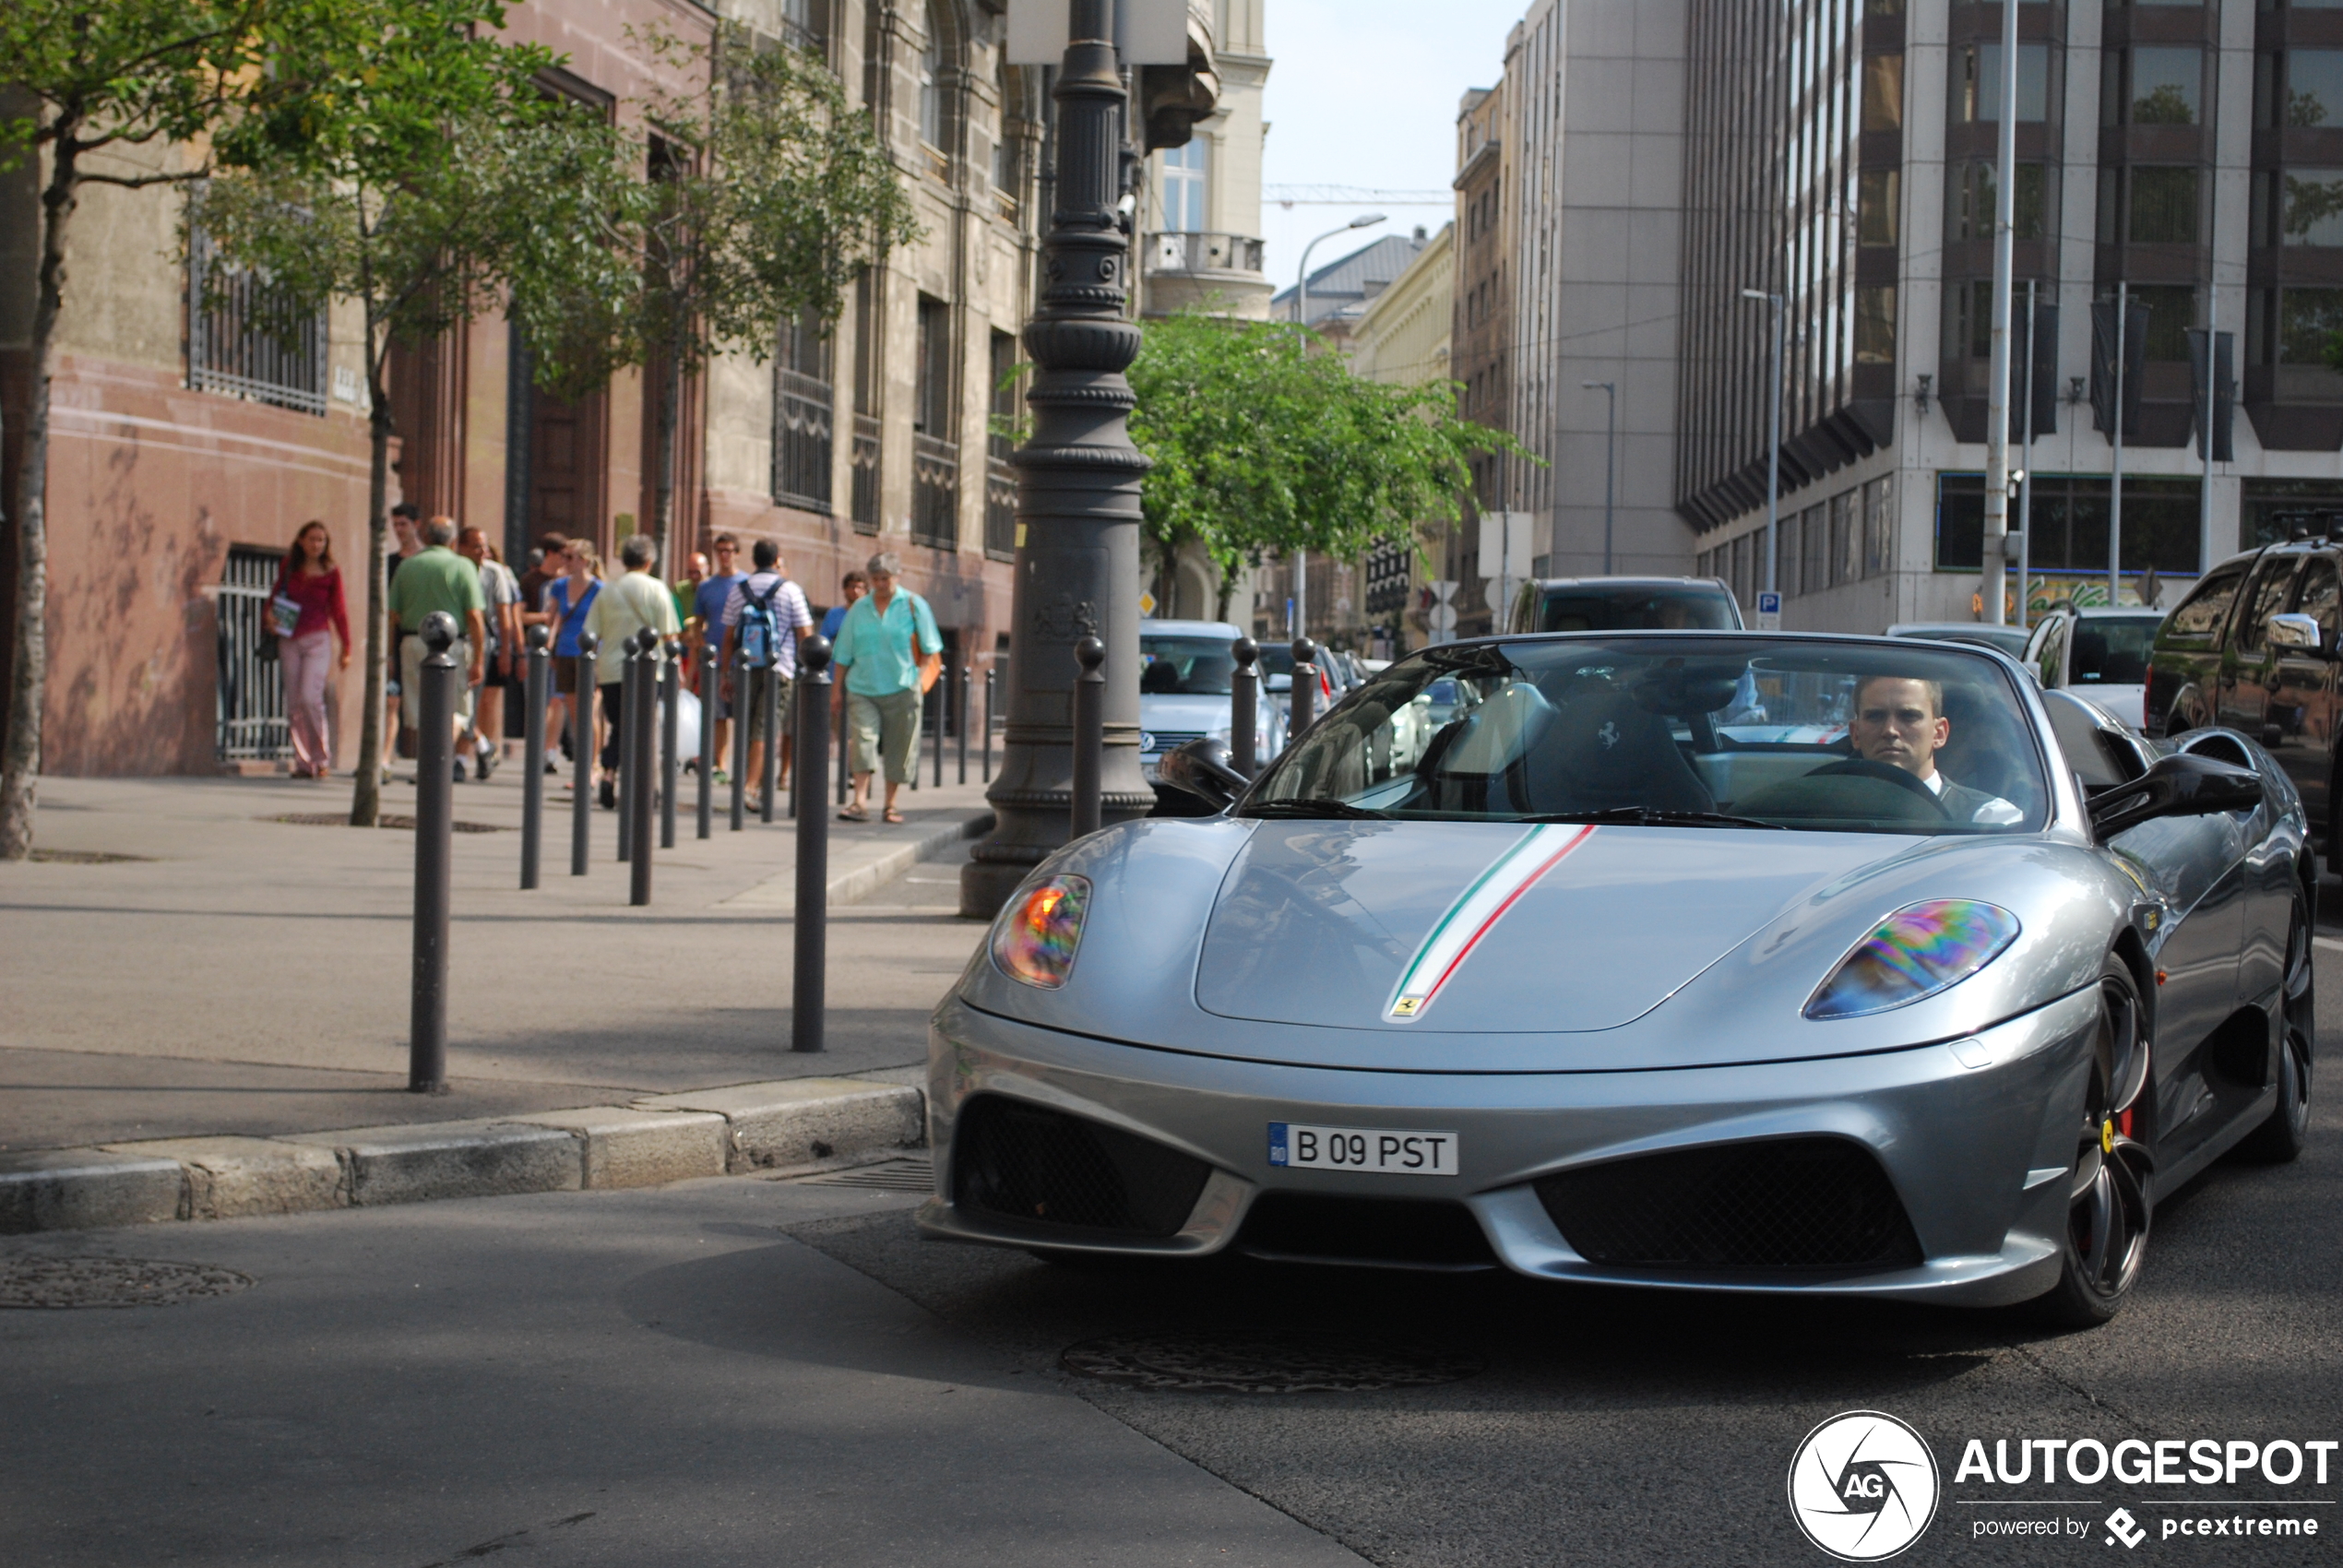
(1863, 768)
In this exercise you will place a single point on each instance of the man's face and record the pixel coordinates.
(404, 530)
(725, 555)
(1897, 723)
(856, 589)
(472, 545)
(699, 564)
(881, 585)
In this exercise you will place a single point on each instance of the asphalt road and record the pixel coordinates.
(757, 1372)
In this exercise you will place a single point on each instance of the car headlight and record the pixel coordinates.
(1914, 953)
(1037, 936)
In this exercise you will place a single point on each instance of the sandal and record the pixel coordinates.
(892, 815)
(848, 814)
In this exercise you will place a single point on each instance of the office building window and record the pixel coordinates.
(1970, 194)
(932, 404)
(1884, 92)
(2171, 311)
(2165, 87)
(1814, 550)
(2310, 208)
(2164, 206)
(1977, 85)
(1876, 207)
(1183, 187)
(1875, 326)
(2314, 88)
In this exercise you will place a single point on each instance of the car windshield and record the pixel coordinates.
(1731, 731)
(1623, 608)
(2112, 650)
(1198, 667)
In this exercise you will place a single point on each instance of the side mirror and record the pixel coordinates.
(2181, 784)
(1201, 768)
(2295, 631)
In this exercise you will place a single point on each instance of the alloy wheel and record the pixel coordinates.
(2108, 1201)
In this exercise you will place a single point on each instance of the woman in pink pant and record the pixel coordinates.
(310, 580)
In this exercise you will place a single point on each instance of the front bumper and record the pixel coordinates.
(1974, 1135)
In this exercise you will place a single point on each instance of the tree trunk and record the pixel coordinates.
(366, 794)
(28, 682)
(671, 400)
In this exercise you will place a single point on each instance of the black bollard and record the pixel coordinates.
(960, 730)
(707, 700)
(806, 999)
(642, 714)
(942, 718)
(739, 738)
(1089, 733)
(1244, 706)
(632, 661)
(581, 741)
(845, 740)
(671, 719)
(435, 833)
(988, 676)
(768, 703)
(538, 666)
(1305, 688)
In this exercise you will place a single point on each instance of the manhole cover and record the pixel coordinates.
(84, 857)
(1266, 1362)
(387, 819)
(111, 1282)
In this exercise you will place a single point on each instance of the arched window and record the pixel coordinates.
(935, 77)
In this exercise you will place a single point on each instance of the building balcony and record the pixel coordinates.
(1207, 271)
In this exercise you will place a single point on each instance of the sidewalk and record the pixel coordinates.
(249, 977)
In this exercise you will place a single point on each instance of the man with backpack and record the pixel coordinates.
(765, 617)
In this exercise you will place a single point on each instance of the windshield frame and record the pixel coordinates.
(2065, 814)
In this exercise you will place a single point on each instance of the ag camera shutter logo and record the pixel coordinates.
(1863, 1486)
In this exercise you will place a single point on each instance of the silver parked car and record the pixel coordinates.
(1185, 676)
(1925, 985)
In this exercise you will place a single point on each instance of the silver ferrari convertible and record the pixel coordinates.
(1715, 961)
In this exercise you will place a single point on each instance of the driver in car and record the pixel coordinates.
(1901, 722)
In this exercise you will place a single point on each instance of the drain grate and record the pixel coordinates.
(111, 1282)
(387, 819)
(914, 1174)
(1265, 1361)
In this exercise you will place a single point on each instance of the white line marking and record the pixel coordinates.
(2328, 943)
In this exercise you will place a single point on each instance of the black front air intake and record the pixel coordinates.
(1386, 1232)
(1041, 1167)
(1791, 1203)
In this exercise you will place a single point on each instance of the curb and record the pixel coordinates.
(864, 880)
(801, 1124)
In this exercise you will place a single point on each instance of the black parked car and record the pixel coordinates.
(2254, 648)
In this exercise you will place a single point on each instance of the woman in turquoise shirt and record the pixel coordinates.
(890, 653)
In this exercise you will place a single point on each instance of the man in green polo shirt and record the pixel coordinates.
(435, 577)
(891, 654)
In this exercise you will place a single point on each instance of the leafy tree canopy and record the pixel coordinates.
(1262, 446)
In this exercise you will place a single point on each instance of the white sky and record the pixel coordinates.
(1363, 92)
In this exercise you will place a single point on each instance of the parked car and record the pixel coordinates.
(2101, 650)
(2253, 648)
(1624, 604)
(2010, 640)
(1184, 669)
(1593, 991)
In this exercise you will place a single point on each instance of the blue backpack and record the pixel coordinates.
(760, 628)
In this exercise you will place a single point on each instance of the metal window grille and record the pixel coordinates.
(866, 473)
(802, 441)
(252, 689)
(936, 491)
(244, 339)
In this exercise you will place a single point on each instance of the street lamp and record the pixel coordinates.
(1078, 501)
(1300, 624)
(1773, 446)
(1610, 439)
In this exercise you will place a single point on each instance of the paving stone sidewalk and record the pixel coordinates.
(245, 977)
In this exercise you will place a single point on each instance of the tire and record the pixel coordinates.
(2110, 1192)
(2281, 1136)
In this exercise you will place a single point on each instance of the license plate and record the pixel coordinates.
(1385, 1151)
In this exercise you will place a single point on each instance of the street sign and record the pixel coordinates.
(1147, 602)
(1769, 612)
(1147, 33)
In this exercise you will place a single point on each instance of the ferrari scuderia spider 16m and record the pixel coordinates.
(1699, 960)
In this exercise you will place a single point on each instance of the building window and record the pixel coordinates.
(1969, 195)
(2313, 88)
(935, 455)
(1978, 89)
(870, 332)
(1005, 149)
(802, 415)
(2167, 88)
(1875, 326)
(1883, 93)
(1814, 550)
(1183, 187)
(2297, 331)
(1845, 538)
(1000, 479)
(243, 338)
(2069, 523)
(805, 24)
(1879, 525)
(936, 77)
(2171, 311)
(2164, 206)
(2310, 209)
(1876, 207)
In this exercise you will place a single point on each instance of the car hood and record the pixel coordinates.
(1183, 714)
(1492, 927)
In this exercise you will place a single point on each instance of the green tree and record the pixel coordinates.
(1262, 446)
(425, 173)
(762, 194)
(159, 91)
